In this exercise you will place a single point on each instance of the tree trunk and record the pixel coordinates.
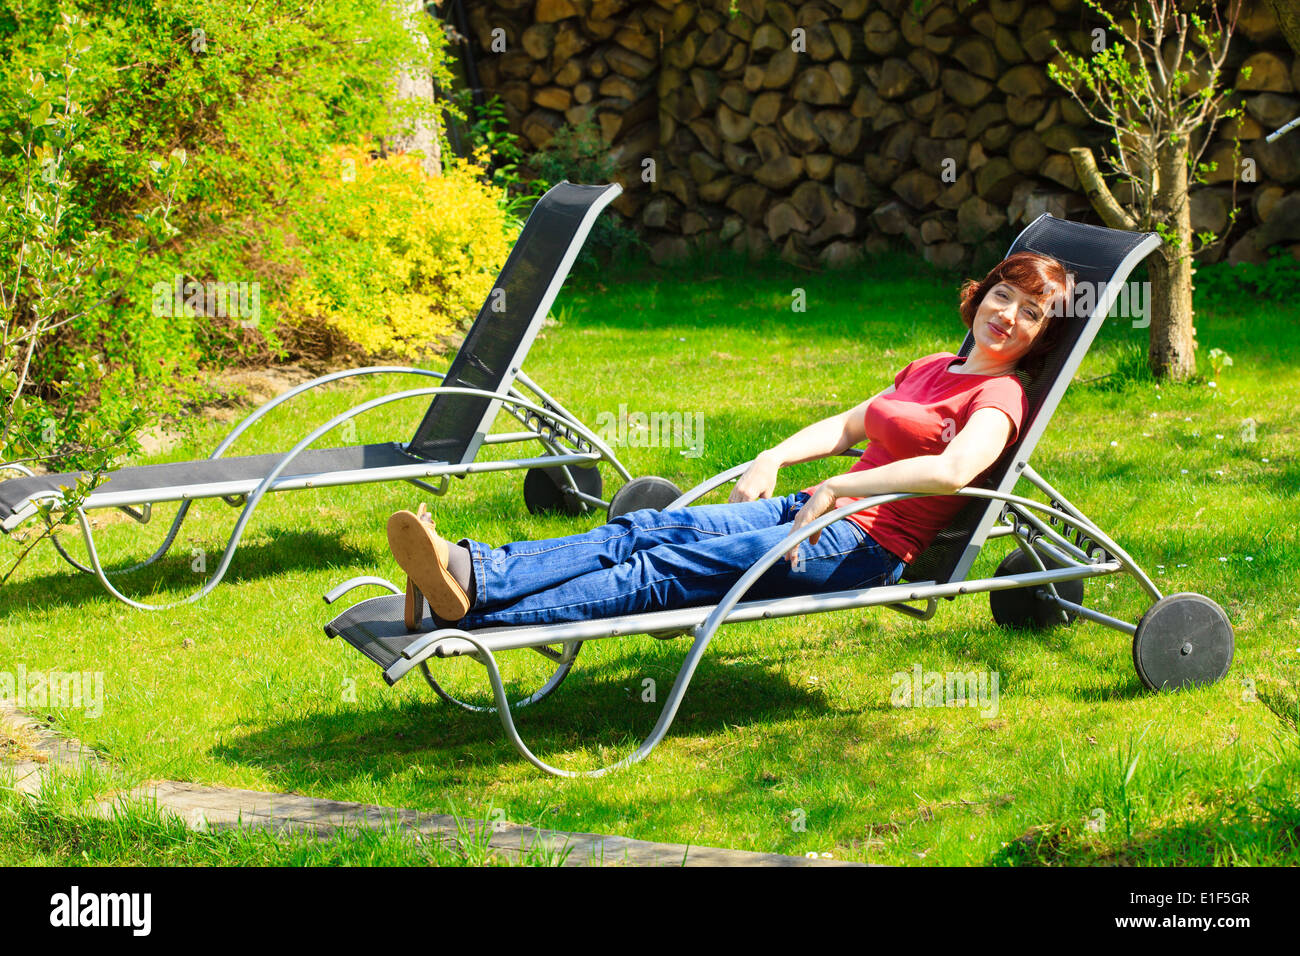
(1171, 352)
(1172, 349)
(417, 84)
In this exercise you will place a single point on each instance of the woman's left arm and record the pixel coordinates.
(973, 449)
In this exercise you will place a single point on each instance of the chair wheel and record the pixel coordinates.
(544, 489)
(1018, 607)
(1183, 640)
(648, 491)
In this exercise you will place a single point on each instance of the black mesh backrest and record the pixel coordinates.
(1098, 256)
(504, 329)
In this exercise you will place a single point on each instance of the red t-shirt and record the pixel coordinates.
(927, 408)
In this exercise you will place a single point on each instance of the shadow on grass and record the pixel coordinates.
(1061, 642)
(287, 550)
(595, 718)
(589, 711)
(1000, 649)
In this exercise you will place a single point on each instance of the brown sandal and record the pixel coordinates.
(413, 612)
(422, 553)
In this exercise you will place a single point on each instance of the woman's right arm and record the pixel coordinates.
(830, 436)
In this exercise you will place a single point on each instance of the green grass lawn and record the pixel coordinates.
(56, 828)
(787, 741)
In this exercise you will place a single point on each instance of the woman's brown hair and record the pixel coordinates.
(1042, 277)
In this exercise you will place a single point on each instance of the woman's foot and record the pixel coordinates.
(423, 555)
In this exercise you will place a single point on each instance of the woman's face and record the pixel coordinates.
(1007, 322)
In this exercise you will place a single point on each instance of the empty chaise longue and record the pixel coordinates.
(479, 383)
(1182, 639)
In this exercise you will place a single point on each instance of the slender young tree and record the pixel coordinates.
(1158, 89)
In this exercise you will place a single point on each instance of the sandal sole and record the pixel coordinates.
(423, 556)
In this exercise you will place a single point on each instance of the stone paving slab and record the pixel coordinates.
(45, 748)
(203, 807)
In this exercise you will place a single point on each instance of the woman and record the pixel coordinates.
(936, 429)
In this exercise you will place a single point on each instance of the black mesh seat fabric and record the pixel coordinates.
(1094, 254)
(188, 474)
(375, 628)
(507, 322)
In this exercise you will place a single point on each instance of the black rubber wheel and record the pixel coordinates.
(544, 489)
(1183, 640)
(1018, 607)
(648, 491)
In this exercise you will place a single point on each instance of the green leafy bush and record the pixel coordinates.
(158, 145)
(49, 276)
(1277, 280)
(255, 101)
(393, 258)
(578, 154)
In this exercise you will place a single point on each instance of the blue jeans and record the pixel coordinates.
(658, 560)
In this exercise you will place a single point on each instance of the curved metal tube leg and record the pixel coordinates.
(705, 630)
(162, 549)
(256, 496)
(703, 635)
(217, 453)
(666, 716)
(98, 569)
(564, 663)
(54, 540)
(253, 500)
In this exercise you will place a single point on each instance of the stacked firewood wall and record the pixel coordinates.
(564, 62)
(823, 127)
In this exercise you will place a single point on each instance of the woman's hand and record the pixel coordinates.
(830, 436)
(822, 501)
(758, 481)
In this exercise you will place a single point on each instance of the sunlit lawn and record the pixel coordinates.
(787, 741)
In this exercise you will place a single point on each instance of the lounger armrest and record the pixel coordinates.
(708, 484)
(731, 474)
(336, 592)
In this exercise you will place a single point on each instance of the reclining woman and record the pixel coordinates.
(938, 428)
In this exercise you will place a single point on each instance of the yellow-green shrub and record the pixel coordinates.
(393, 257)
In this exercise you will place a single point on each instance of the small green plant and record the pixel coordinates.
(1133, 88)
(1127, 758)
(578, 153)
(497, 150)
(1219, 360)
(557, 317)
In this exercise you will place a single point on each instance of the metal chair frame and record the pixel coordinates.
(566, 442)
(1056, 530)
